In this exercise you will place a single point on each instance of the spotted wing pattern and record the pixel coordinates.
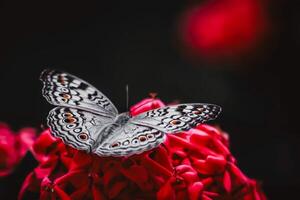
(131, 139)
(177, 118)
(63, 89)
(77, 128)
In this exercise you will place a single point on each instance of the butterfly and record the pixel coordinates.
(87, 120)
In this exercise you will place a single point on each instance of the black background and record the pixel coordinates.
(111, 44)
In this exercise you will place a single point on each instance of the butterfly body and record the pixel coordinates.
(87, 120)
(122, 118)
(106, 133)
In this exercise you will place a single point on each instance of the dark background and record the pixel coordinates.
(111, 44)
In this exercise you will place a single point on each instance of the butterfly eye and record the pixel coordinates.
(83, 136)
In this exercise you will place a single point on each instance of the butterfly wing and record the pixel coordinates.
(130, 139)
(173, 119)
(147, 130)
(77, 128)
(63, 89)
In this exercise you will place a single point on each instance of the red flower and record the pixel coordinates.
(224, 28)
(195, 164)
(13, 147)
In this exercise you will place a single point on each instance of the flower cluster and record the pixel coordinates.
(194, 164)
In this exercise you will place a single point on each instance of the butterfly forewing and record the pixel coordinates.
(63, 89)
(177, 118)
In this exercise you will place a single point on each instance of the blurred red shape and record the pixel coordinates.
(13, 147)
(224, 28)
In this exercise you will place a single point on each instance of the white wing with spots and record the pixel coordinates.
(177, 118)
(63, 89)
(77, 128)
(130, 139)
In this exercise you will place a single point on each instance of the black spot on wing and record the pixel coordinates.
(82, 86)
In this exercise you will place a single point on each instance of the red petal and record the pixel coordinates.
(238, 178)
(30, 183)
(76, 178)
(195, 190)
(26, 137)
(227, 181)
(137, 174)
(41, 172)
(81, 160)
(211, 165)
(184, 168)
(221, 148)
(215, 132)
(161, 156)
(81, 193)
(97, 193)
(192, 148)
(155, 168)
(44, 145)
(116, 189)
(166, 192)
(199, 137)
(146, 105)
(109, 175)
(210, 195)
(61, 194)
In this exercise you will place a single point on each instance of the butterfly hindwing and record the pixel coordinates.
(131, 139)
(77, 128)
(63, 89)
(177, 118)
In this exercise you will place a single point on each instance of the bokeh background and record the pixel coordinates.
(234, 53)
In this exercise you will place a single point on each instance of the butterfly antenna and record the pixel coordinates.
(127, 96)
